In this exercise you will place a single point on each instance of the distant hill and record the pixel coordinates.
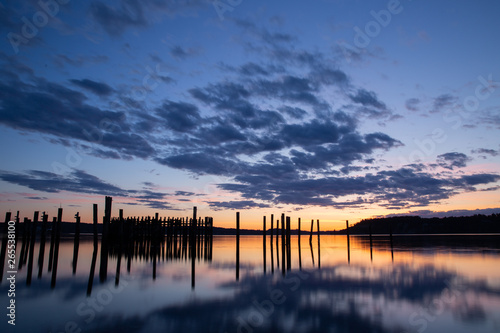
(418, 225)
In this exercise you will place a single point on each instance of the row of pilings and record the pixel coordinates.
(152, 239)
(284, 232)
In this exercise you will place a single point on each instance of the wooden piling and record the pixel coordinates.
(319, 247)
(237, 246)
(371, 241)
(348, 243)
(264, 243)
(41, 252)
(277, 243)
(52, 243)
(283, 244)
(103, 269)
(288, 245)
(95, 225)
(311, 233)
(5, 240)
(300, 255)
(32, 249)
(76, 241)
(24, 250)
(56, 248)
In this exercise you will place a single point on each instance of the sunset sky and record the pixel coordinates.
(333, 110)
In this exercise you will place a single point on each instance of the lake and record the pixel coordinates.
(426, 283)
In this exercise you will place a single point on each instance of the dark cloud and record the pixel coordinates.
(80, 60)
(443, 101)
(453, 160)
(183, 53)
(485, 151)
(253, 69)
(236, 204)
(77, 181)
(179, 116)
(98, 88)
(184, 193)
(115, 20)
(412, 104)
(37, 198)
(367, 98)
(294, 112)
(392, 189)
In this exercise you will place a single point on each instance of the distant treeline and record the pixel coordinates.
(418, 225)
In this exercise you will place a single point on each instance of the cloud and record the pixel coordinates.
(115, 20)
(453, 160)
(79, 60)
(183, 53)
(77, 181)
(367, 98)
(391, 189)
(98, 88)
(412, 104)
(443, 101)
(179, 116)
(485, 151)
(36, 198)
(236, 204)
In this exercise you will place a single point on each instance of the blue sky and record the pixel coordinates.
(322, 109)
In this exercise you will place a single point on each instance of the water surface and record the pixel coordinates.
(412, 284)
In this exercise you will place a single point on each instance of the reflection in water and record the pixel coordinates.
(387, 284)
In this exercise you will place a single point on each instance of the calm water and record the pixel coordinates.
(421, 284)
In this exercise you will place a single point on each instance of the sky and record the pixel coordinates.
(333, 110)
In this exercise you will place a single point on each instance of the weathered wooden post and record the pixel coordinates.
(300, 255)
(77, 242)
(56, 248)
(371, 242)
(390, 235)
(24, 247)
(103, 269)
(5, 240)
(311, 233)
(288, 245)
(237, 246)
(95, 225)
(52, 243)
(264, 243)
(32, 249)
(271, 244)
(121, 240)
(41, 251)
(283, 244)
(319, 247)
(348, 242)
(277, 242)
